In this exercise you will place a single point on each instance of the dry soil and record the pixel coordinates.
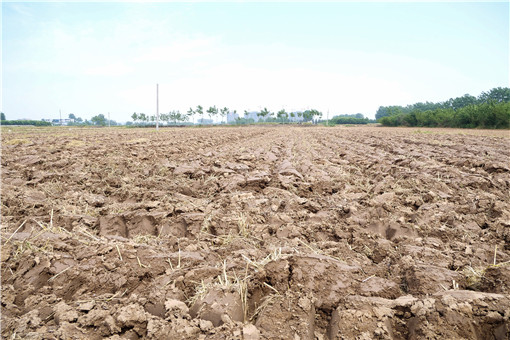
(286, 232)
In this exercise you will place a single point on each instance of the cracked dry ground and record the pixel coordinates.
(255, 233)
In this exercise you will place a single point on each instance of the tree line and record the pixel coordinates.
(282, 116)
(97, 120)
(356, 118)
(264, 115)
(349, 120)
(489, 110)
(4, 121)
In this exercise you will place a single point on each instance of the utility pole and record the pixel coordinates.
(60, 112)
(108, 119)
(327, 118)
(157, 106)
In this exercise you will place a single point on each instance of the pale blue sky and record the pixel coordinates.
(89, 58)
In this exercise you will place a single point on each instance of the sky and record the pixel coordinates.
(339, 57)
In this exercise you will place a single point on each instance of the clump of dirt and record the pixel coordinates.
(255, 233)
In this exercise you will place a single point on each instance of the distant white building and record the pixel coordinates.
(65, 121)
(231, 117)
(252, 115)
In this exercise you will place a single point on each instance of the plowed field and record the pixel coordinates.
(255, 233)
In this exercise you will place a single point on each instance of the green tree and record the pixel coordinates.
(307, 115)
(183, 117)
(175, 116)
(2, 116)
(26, 122)
(190, 112)
(270, 115)
(316, 114)
(215, 110)
(460, 102)
(178, 116)
(200, 111)
(171, 117)
(224, 112)
(348, 120)
(212, 111)
(424, 106)
(384, 111)
(497, 94)
(381, 112)
(99, 120)
(484, 115)
(134, 116)
(282, 115)
(264, 113)
(164, 117)
(77, 120)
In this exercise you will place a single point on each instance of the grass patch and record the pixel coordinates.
(225, 282)
(144, 239)
(138, 141)
(424, 132)
(76, 143)
(21, 247)
(17, 141)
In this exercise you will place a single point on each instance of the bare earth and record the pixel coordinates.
(255, 233)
